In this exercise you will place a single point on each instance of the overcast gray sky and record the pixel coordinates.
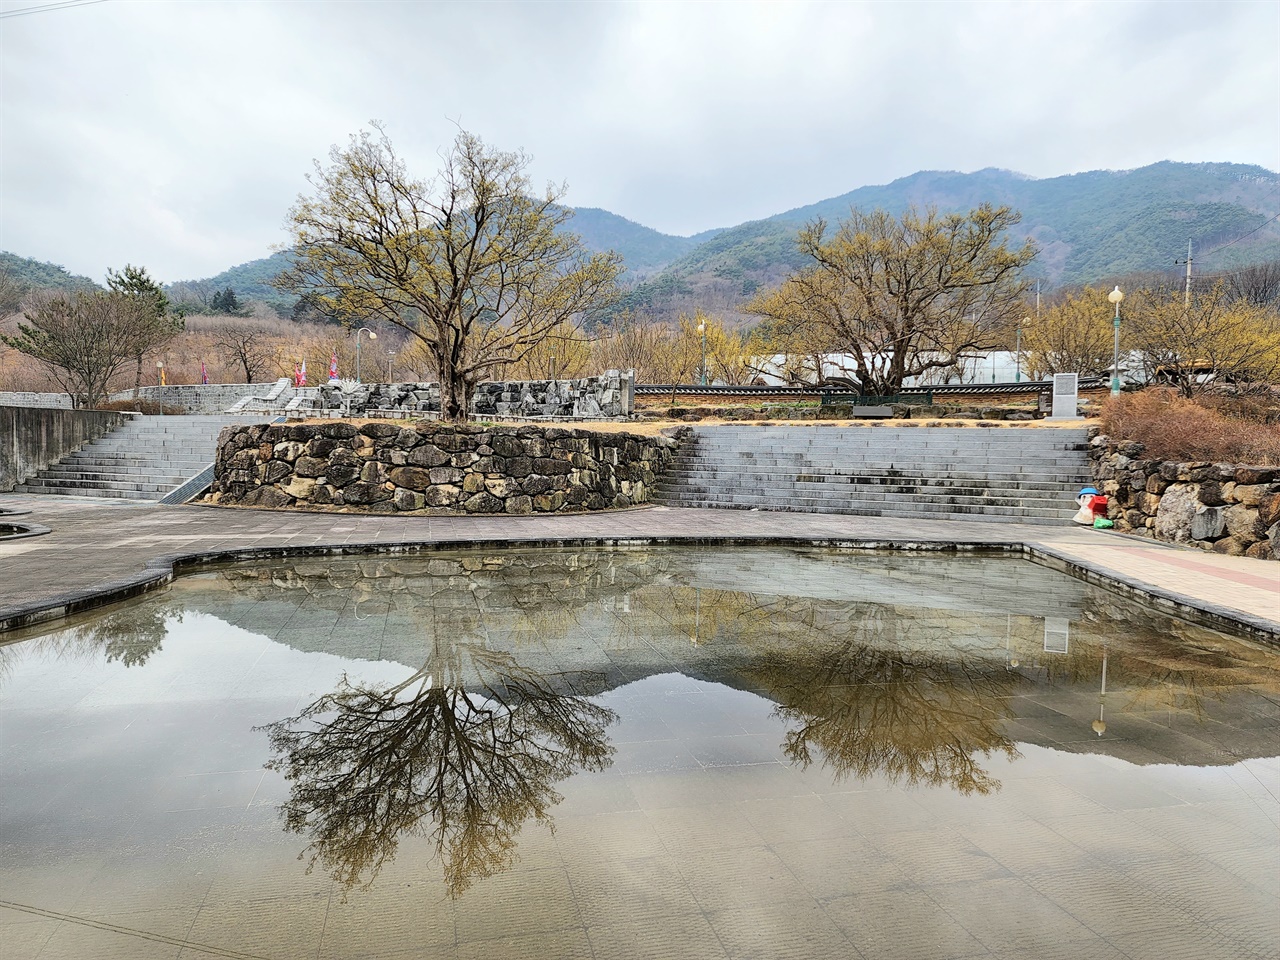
(175, 135)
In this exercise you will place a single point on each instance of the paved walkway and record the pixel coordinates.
(114, 548)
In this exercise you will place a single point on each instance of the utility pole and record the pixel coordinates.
(1186, 296)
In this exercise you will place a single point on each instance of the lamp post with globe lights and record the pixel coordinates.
(372, 336)
(702, 329)
(1115, 296)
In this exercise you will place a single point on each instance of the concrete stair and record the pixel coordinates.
(1028, 475)
(143, 460)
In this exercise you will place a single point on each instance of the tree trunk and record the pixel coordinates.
(455, 394)
(137, 381)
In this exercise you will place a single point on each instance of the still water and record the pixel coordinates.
(658, 752)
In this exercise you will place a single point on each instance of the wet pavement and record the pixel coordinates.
(715, 752)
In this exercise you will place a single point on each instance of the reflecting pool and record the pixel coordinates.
(638, 752)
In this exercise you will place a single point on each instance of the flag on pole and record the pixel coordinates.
(302, 375)
(297, 377)
(164, 381)
(333, 365)
(204, 374)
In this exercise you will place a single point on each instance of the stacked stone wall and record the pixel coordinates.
(1223, 507)
(57, 401)
(435, 468)
(611, 394)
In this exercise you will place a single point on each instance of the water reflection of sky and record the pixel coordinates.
(709, 744)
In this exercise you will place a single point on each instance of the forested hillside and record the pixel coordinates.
(1087, 227)
(21, 274)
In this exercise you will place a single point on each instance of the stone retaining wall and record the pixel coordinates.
(60, 401)
(612, 394)
(435, 468)
(1224, 507)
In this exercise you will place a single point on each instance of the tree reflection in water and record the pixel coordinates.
(464, 752)
(858, 688)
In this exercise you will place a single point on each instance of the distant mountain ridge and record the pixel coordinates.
(1087, 226)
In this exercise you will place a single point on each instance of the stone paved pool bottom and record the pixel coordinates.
(759, 753)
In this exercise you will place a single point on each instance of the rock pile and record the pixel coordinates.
(1224, 507)
(435, 468)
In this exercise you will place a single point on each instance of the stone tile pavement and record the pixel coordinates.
(100, 546)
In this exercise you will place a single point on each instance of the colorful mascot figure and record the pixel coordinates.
(1093, 509)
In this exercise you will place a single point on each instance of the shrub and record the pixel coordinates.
(1171, 427)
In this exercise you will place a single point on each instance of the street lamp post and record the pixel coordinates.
(1017, 351)
(702, 329)
(1115, 296)
(372, 336)
(159, 384)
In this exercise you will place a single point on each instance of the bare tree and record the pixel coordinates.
(1208, 340)
(83, 339)
(904, 295)
(246, 344)
(473, 263)
(193, 295)
(1258, 284)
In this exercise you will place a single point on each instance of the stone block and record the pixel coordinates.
(272, 471)
(483, 503)
(307, 466)
(549, 503)
(373, 472)
(1148, 503)
(519, 505)
(1230, 546)
(1250, 475)
(1176, 509)
(266, 497)
(300, 488)
(1156, 485)
(1262, 550)
(1250, 494)
(428, 455)
(473, 483)
(362, 492)
(1269, 509)
(411, 478)
(1243, 523)
(445, 475)
(408, 500)
(503, 487)
(1208, 523)
(288, 451)
(1211, 494)
(444, 495)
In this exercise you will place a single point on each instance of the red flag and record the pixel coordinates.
(204, 374)
(297, 377)
(302, 375)
(333, 365)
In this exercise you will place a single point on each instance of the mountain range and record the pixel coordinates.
(1087, 226)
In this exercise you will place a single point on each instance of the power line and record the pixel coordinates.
(1223, 246)
(46, 8)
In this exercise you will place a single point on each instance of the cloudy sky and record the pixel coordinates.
(176, 134)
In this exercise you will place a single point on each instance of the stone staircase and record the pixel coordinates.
(1027, 475)
(142, 460)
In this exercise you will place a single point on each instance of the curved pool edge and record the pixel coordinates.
(24, 528)
(162, 570)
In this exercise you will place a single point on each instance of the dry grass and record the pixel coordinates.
(1172, 427)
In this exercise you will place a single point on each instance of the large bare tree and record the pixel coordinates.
(474, 262)
(904, 295)
(85, 338)
(248, 344)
